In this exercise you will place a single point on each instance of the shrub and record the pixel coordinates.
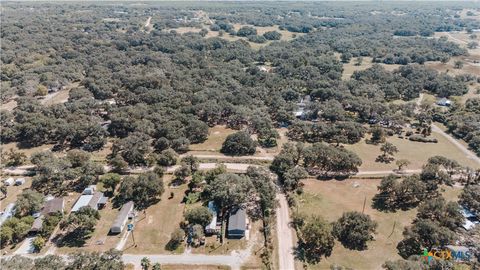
(420, 138)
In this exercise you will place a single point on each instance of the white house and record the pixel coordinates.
(471, 220)
(121, 220)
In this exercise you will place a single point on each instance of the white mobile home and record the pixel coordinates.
(121, 220)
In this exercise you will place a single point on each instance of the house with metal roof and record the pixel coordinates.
(98, 201)
(52, 206)
(122, 217)
(237, 223)
(81, 202)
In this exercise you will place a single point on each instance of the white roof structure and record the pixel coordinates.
(81, 202)
(89, 190)
(213, 224)
(471, 220)
(8, 213)
(8, 181)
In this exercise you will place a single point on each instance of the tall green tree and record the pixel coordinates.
(354, 230)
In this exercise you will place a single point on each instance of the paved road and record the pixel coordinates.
(387, 172)
(234, 262)
(284, 235)
(268, 158)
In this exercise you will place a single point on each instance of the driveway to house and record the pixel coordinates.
(286, 259)
(461, 147)
(447, 136)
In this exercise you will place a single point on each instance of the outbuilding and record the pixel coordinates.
(90, 190)
(237, 223)
(7, 213)
(212, 228)
(9, 181)
(122, 217)
(444, 102)
(19, 181)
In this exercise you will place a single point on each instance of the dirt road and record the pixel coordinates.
(284, 235)
(461, 147)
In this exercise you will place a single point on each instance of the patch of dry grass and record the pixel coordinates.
(416, 152)
(216, 137)
(331, 198)
(14, 191)
(99, 240)
(349, 68)
(154, 227)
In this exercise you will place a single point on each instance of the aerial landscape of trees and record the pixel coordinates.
(137, 98)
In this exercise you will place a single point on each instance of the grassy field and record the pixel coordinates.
(471, 61)
(218, 134)
(99, 239)
(216, 137)
(14, 191)
(286, 35)
(153, 228)
(331, 198)
(349, 68)
(409, 150)
(463, 14)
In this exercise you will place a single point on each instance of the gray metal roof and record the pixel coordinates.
(123, 214)
(97, 196)
(53, 206)
(237, 219)
(82, 201)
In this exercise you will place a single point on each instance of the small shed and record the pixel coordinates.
(19, 181)
(444, 102)
(9, 181)
(237, 223)
(211, 228)
(90, 190)
(122, 217)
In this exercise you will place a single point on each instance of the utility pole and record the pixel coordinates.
(393, 229)
(364, 202)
